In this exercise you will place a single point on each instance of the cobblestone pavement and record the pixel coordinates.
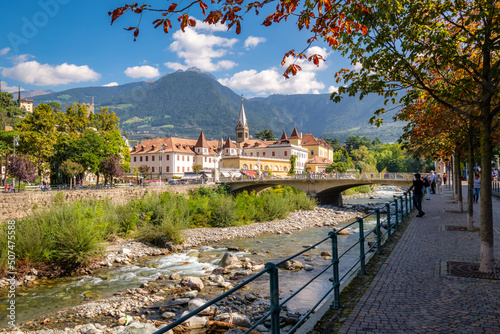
(413, 293)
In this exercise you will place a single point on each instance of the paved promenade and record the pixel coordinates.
(413, 293)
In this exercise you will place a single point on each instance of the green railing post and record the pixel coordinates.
(403, 214)
(377, 231)
(275, 297)
(388, 207)
(361, 245)
(407, 207)
(336, 275)
(396, 214)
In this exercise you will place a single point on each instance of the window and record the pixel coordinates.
(152, 169)
(183, 169)
(135, 159)
(160, 169)
(187, 158)
(210, 160)
(286, 153)
(251, 154)
(178, 169)
(274, 153)
(168, 157)
(177, 158)
(205, 159)
(182, 158)
(240, 135)
(140, 159)
(245, 167)
(312, 152)
(146, 158)
(257, 153)
(168, 169)
(263, 154)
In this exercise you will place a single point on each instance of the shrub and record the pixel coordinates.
(275, 206)
(223, 211)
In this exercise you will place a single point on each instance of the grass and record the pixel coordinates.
(333, 320)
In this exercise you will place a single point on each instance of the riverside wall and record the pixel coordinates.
(20, 205)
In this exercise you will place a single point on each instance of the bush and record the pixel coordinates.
(223, 213)
(275, 206)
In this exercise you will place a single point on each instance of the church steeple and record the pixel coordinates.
(242, 131)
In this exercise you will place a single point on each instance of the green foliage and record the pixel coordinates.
(265, 134)
(223, 213)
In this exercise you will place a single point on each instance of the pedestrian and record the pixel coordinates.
(444, 178)
(427, 188)
(477, 186)
(42, 186)
(7, 188)
(439, 182)
(432, 181)
(418, 185)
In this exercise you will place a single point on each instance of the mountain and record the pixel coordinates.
(85, 95)
(185, 102)
(32, 93)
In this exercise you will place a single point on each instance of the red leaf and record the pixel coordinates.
(172, 7)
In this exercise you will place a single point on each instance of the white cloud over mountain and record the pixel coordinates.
(199, 47)
(111, 84)
(32, 72)
(146, 71)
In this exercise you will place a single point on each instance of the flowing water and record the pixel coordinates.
(48, 296)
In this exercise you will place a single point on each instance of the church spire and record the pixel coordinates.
(242, 131)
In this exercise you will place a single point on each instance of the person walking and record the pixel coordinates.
(432, 181)
(439, 183)
(418, 185)
(444, 178)
(477, 187)
(427, 187)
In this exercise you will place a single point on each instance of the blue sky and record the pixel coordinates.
(62, 44)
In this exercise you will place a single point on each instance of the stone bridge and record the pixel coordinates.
(326, 188)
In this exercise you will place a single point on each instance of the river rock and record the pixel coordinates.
(175, 276)
(226, 285)
(168, 315)
(343, 232)
(234, 318)
(221, 271)
(88, 329)
(191, 294)
(194, 283)
(228, 259)
(292, 265)
(195, 321)
(199, 302)
(308, 267)
(139, 328)
(124, 251)
(326, 254)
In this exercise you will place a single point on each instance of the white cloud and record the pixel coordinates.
(333, 89)
(253, 41)
(4, 51)
(204, 51)
(10, 89)
(34, 73)
(271, 81)
(357, 67)
(111, 84)
(17, 59)
(146, 71)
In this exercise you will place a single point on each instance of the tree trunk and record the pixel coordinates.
(458, 184)
(470, 182)
(487, 254)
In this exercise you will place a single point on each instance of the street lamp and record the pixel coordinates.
(16, 143)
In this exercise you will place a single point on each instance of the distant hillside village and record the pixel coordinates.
(173, 158)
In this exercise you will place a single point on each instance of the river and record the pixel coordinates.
(49, 296)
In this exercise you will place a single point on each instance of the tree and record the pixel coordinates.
(197, 169)
(22, 169)
(71, 169)
(293, 161)
(265, 134)
(111, 168)
(145, 171)
(408, 45)
(38, 134)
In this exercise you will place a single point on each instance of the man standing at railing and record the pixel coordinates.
(418, 185)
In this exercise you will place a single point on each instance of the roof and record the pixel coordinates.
(295, 134)
(283, 136)
(229, 143)
(318, 161)
(242, 118)
(171, 145)
(308, 140)
(202, 142)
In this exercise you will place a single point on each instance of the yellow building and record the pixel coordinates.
(317, 147)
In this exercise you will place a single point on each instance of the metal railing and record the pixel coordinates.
(402, 206)
(323, 176)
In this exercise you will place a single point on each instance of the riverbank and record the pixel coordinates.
(137, 301)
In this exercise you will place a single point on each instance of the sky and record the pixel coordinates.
(63, 44)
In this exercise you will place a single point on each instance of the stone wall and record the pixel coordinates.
(20, 205)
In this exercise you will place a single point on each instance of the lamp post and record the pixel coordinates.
(16, 143)
(161, 158)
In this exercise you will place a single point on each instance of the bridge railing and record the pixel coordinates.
(388, 217)
(323, 176)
